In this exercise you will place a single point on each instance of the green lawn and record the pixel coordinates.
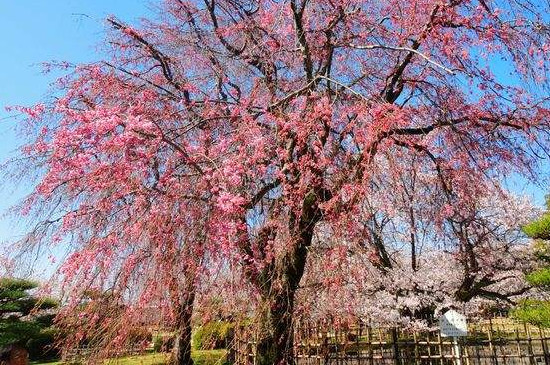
(206, 357)
(149, 359)
(209, 357)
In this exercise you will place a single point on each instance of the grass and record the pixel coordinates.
(149, 359)
(46, 362)
(209, 357)
(200, 357)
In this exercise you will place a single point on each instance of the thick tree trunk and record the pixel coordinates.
(279, 284)
(181, 353)
(275, 344)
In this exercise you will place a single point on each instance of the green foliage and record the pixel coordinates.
(16, 285)
(22, 317)
(14, 297)
(157, 344)
(539, 229)
(213, 335)
(539, 278)
(541, 249)
(13, 330)
(42, 346)
(533, 311)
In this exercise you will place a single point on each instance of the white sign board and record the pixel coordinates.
(453, 324)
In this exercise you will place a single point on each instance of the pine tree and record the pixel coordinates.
(24, 318)
(534, 310)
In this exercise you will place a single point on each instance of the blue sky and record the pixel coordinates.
(35, 31)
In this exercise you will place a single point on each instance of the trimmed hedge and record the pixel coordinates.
(213, 335)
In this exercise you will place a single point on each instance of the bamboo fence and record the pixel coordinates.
(498, 341)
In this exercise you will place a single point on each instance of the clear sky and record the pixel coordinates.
(35, 31)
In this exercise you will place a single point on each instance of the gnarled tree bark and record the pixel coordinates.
(279, 282)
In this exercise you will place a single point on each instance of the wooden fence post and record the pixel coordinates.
(456, 351)
(358, 341)
(395, 345)
(369, 344)
(544, 349)
(530, 354)
(416, 355)
(429, 347)
(357, 344)
(440, 345)
(491, 345)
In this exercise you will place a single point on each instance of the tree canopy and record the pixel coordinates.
(232, 134)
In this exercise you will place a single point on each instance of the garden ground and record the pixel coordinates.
(201, 357)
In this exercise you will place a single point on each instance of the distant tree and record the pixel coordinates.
(24, 317)
(537, 311)
(381, 277)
